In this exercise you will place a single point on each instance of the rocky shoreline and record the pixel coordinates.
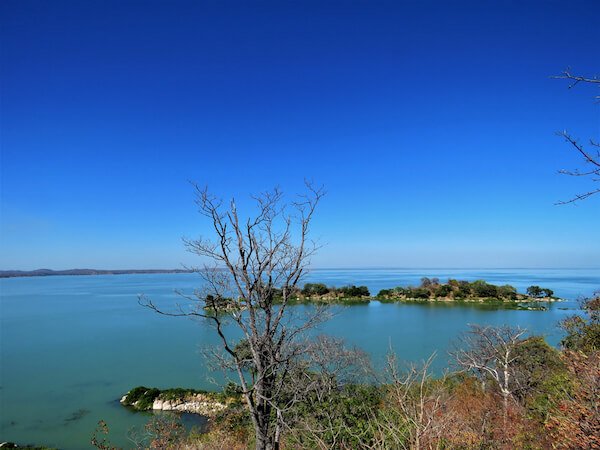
(208, 404)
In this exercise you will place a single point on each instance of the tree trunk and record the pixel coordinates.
(261, 441)
(277, 431)
(505, 412)
(506, 390)
(263, 431)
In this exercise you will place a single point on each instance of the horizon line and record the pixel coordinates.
(188, 269)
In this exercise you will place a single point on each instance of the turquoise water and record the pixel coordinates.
(71, 346)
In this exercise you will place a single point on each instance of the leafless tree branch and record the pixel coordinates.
(253, 268)
(589, 158)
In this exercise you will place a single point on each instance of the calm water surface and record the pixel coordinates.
(71, 346)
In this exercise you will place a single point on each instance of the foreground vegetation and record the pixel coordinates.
(505, 390)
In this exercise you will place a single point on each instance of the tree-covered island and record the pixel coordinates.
(453, 290)
(310, 293)
(429, 290)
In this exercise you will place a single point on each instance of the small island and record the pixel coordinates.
(478, 291)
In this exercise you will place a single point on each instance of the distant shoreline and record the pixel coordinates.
(49, 272)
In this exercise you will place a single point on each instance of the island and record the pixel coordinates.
(479, 291)
(428, 291)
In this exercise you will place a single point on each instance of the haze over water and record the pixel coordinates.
(71, 346)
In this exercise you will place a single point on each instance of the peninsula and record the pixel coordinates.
(193, 401)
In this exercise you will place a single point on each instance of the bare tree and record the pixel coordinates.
(412, 414)
(253, 268)
(591, 157)
(489, 353)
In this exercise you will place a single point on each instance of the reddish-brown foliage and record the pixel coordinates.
(575, 424)
(475, 419)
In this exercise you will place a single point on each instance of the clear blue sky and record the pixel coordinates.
(430, 123)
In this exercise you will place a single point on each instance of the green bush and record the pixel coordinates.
(418, 293)
(583, 333)
(464, 289)
(534, 291)
(384, 293)
(232, 390)
(141, 397)
(443, 290)
(355, 291)
(348, 412)
(482, 289)
(507, 291)
(315, 289)
(540, 376)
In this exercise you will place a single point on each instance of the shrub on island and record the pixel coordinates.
(319, 292)
(538, 292)
(141, 397)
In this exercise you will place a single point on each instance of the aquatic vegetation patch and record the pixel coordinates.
(77, 415)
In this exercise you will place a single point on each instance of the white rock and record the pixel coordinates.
(158, 404)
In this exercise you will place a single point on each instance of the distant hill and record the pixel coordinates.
(50, 272)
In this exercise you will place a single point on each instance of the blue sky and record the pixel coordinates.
(431, 125)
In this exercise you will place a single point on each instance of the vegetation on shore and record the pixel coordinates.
(504, 390)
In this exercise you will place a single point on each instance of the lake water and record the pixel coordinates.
(71, 346)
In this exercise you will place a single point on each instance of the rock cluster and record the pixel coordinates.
(195, 403)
